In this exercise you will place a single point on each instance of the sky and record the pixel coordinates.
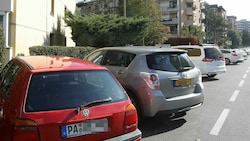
(238, 8)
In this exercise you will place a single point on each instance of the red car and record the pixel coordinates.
(52, 98)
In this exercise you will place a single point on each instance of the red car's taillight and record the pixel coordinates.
(131, 118)
(25, 130)
(152, 79)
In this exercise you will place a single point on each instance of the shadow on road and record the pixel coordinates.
(207, 79)
(159, 124)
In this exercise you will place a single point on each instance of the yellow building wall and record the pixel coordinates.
(32, 22)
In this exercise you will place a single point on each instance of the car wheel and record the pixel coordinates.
(227, 61)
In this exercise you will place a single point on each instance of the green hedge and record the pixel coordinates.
(78, 52)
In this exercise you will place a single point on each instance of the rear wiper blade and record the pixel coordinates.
(93, 103)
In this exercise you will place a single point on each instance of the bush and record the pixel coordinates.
(77, 52)
(2, 48)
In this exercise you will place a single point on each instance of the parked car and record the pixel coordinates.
(231, 56)
(158, 80)
(52, 98)
(208, 58)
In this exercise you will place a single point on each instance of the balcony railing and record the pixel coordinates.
(190, 1)
(190, 11)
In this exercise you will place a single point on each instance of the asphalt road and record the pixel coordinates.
(224, 116)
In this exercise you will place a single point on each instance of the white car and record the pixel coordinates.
(207, 58)
(232, 56)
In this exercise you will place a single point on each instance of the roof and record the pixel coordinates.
(142, 49)
(56, 63)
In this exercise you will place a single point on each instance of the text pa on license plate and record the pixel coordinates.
(182, 82)
(84, 128)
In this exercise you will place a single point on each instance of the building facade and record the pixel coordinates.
(177, 13)
(231, 21)
(29, 23)
(243, 25)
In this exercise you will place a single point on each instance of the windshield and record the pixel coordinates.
(174, 62)
(63, 90)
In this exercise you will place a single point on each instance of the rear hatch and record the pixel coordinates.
(77, 105)
(214, 59)
(177, 74)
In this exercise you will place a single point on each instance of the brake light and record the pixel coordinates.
(152, 79)
(25, 130)
(234, 54)
(131, 118)
(207, 60)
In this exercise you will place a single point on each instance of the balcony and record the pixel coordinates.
(6, 5)
(170, 21)
(190, 1)
(190, 11)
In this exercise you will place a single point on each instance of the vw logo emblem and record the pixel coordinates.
(85, 112)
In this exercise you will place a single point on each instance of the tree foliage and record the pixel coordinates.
(215, 27)
(155, 31)
(245, 38)
(193, 31)
(235, 37)
(106, 29)
(2, 48)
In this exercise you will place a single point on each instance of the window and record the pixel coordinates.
(169, 62)
(8, 77)
(118, 58)
(64, 90)
(1, 21)
(52, 12)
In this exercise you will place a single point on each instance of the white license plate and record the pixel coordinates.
(84, 128)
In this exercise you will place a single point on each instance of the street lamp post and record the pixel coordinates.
(125, 8)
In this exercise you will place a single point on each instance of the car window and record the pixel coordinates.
(213, 53)
(169, 62)
(96, 57)
(118, 58)
(8, 76)
(193, 51)
(63, 90)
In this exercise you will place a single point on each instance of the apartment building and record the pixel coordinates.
(231, 21)
(243, 25)
(177, 13)
(28, 23)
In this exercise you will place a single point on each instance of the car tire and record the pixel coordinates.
(227, 61)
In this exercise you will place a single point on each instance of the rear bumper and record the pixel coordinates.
(131, 136)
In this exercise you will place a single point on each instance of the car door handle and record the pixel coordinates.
(119, 72)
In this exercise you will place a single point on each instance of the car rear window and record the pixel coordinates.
(64, 90)
(174, 62)
(213, 53)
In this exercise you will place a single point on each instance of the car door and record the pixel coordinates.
(118, 62)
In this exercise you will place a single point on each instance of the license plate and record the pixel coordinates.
(84, 128)
(182, 82)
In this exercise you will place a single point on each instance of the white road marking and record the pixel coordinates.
(241, 83)
(245, 76)
(216, 129)
(247, 71)
(234, 96)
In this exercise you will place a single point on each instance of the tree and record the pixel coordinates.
(106, 29)
(2, 48)
(245, 38)
(215, 26)
(193, 31)
(155, 32)
(235, 37)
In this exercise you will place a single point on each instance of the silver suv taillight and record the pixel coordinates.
(151, 79)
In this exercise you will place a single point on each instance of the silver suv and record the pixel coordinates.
(156, 79)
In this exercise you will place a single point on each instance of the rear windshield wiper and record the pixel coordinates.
(93, 103)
